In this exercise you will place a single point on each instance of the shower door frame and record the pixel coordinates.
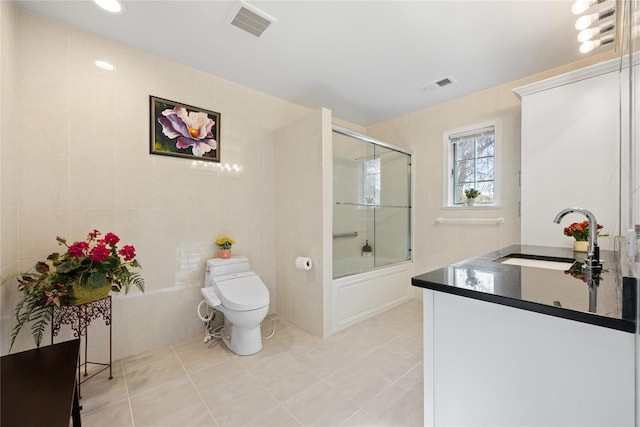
(366, 138)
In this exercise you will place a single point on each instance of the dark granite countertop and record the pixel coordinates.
(611, 303)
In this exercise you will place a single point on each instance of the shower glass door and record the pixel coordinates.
(372, 203)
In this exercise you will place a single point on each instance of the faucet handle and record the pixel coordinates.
(594, 266)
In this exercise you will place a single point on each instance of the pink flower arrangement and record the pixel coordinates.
(97, 261)
(93, 263)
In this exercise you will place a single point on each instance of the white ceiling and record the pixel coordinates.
(367, 61)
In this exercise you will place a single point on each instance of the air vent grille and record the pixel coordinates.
(446, 81)
(252, 20)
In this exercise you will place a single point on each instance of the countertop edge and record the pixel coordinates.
(624, 324)
(607, 322)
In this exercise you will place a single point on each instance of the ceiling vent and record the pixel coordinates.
(447, 81)
(251, 19)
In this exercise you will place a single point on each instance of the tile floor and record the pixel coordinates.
(367, 375)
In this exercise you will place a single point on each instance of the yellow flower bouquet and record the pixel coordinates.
(225, 242)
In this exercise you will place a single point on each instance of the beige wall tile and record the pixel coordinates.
(87, 165)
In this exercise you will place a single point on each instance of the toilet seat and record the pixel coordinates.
(242, 291)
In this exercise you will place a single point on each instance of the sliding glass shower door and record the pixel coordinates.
(372, 203)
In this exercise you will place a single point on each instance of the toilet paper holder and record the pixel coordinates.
(304, 263)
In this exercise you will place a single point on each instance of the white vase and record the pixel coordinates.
(580, 245)
(471, 201)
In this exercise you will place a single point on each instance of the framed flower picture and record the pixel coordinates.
(182, 130)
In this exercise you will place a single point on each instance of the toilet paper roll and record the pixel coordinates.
(304, 263)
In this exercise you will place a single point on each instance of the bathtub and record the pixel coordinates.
(359, 296)
(343, 267)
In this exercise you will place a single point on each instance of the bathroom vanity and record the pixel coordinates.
(514, 337)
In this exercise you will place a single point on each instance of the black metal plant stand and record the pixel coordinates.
(79, 317)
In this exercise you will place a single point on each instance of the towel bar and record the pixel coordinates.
(499, 220)
(354, 234)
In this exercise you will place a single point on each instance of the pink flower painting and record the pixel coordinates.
(184, 131)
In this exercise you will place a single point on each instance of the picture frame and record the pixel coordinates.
(182, 130)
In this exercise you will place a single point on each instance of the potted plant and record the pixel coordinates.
(87, 271)
(471, 194)
(580, 232)
(224, 247)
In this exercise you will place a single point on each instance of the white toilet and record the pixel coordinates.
(233, 289)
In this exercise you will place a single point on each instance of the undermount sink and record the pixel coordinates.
(548, 263)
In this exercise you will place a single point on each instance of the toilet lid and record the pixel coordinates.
(243, 292)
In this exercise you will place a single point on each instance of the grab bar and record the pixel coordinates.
(354, 234)
(499, 220)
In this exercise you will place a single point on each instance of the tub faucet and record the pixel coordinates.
(593, 263)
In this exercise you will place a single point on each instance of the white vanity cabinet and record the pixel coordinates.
(571, 151)
(488, 364)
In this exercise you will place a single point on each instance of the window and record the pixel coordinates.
(472, 165)
(370, 170)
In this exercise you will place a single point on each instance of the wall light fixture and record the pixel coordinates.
(589, 45)
(590, 25)
(581, 6)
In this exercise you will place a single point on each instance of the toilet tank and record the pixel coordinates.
(221, 267)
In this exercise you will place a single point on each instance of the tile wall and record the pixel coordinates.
(75, 156)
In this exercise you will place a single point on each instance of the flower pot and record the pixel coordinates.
(84, 294)
(471, 201)
(581, 245)
(224, 253)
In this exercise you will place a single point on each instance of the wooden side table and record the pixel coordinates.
(79, 317)
(38, 387)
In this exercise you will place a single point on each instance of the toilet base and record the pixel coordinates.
(242, 341)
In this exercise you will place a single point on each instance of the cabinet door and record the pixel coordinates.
(486, 364)
(571, 157)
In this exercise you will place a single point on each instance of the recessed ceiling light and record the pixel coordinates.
(113, 6)
(105, 65)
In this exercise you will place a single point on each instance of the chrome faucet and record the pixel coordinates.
(593, 262)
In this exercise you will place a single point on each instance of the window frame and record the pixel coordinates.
(363, 176)
(449, 179)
